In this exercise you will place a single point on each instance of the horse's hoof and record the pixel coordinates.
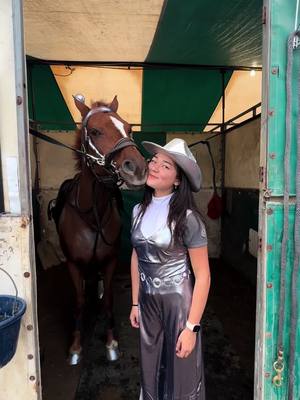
(112, 351)
(74, 357)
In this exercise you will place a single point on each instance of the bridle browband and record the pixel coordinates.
(104, 160)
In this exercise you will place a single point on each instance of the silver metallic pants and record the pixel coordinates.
(163, 314)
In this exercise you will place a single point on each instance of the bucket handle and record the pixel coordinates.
(15, 308)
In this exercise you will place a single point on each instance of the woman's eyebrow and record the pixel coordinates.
(164, 161)
(168, 162)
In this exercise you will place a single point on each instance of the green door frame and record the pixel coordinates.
(278, 23)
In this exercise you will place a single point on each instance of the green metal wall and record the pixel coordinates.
(282, 23)
(280, 19)
(274, 222)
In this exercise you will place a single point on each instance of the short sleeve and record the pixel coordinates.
(135, 210)
(195, 232)
(134, 214)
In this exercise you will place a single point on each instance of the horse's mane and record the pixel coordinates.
(78, 132)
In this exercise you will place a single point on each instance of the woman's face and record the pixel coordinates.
(162, 174)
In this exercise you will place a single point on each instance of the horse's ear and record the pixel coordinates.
(79, 103)
(114, 104)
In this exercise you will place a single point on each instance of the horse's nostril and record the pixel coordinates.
(129, 167)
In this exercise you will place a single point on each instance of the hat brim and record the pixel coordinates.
(189, 167)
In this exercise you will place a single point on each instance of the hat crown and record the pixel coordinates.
(179, 146)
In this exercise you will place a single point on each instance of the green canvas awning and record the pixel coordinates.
(194, 32)
(209, 33)
(182, 47)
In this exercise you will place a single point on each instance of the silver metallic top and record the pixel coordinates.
(158, 256)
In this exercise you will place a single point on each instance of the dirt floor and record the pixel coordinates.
(228, 340)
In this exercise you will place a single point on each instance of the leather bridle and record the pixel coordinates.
(101, 159)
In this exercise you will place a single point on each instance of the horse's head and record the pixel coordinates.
(106, 140)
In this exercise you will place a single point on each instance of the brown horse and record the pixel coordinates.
(87, 208)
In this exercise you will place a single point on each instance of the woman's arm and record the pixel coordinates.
(199, 260)
(200, 265)
(135, 282)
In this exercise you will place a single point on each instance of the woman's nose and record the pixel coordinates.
(153, 167)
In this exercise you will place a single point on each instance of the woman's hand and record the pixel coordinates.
(134, 317)
(185, 343)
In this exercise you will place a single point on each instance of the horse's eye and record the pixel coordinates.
(94, 132)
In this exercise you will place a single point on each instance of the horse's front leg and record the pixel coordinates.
(77, 279)
(112, 349)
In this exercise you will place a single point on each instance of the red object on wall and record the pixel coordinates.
(215, 206)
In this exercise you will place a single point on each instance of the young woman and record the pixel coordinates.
(170, 276)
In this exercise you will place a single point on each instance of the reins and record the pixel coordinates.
(83, 213)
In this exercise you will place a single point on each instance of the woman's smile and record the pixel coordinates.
(152, 176)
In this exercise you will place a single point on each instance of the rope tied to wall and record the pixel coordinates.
(279, 364)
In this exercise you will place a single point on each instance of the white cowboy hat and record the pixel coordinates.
(178, 150)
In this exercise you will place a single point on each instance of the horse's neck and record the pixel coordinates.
(86, 188)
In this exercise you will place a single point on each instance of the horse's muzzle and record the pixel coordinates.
(129, 167)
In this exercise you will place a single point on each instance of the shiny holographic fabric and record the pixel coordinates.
(166, 287)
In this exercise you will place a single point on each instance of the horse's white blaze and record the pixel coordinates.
(119, 125)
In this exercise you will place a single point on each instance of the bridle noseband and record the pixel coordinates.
(104, 160)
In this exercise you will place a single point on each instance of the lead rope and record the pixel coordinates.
(294, 283)
(279, 363)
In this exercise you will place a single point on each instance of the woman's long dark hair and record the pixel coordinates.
(181, 201)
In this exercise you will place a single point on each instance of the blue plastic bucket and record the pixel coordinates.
(11, 312)
(12, 309)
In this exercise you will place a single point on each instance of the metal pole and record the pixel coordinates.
(223, 150)
(223, 138)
